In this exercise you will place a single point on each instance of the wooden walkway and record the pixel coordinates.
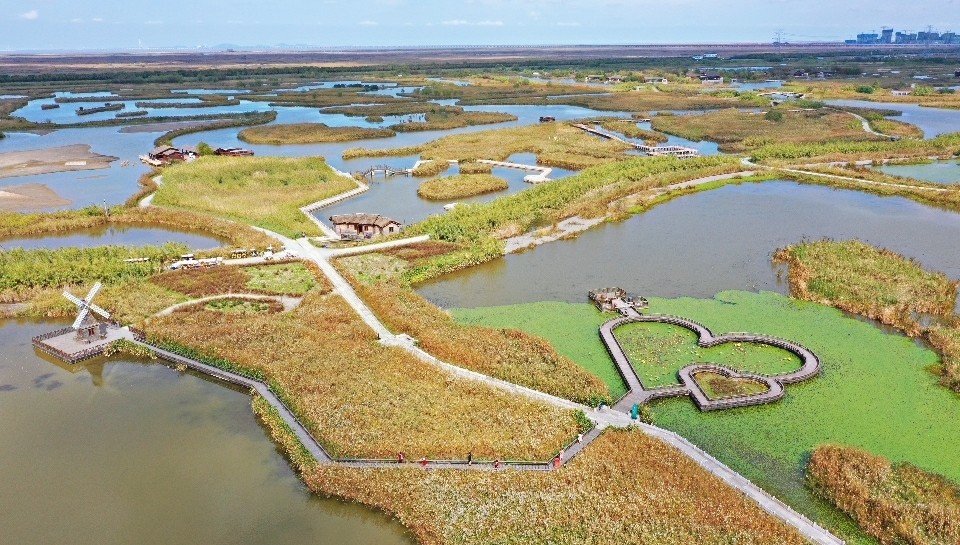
(320, 454)
(675, 151)
(639, 394)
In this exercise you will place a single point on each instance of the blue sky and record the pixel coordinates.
(129, 24)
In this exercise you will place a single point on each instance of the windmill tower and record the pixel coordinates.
(87, 326)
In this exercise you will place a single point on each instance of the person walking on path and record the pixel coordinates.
(470, 458)
(424, 462)
(496, 464)
(579, 438)
(401, 458)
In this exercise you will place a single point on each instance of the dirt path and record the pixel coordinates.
(48, 160)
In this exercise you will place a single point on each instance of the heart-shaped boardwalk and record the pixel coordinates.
(639, 394)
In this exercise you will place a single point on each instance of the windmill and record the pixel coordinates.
(87, 325)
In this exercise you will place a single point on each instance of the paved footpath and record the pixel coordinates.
(601, 417)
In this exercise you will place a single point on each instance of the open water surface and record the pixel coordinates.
(125, 451)
(705, 243)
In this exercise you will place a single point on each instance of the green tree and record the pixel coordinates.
(204, 149)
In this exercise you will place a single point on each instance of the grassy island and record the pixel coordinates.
(555, 144)
(309, 133)
(881, 285)
(264, 191)
(463, 185)
(738, 131)
(895, 503)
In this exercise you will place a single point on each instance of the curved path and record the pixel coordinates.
(639, 394)
(289, 303)
(601, 417)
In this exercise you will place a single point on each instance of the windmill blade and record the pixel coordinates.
(93, 291)
(98, 310)
(81, 317)
(74, 299)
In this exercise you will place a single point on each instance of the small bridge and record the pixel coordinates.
(386, 170)
(675, 151)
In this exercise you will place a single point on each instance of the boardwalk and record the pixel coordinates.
(639, 394)
(602, 417)
(543, 173)
(675, 151)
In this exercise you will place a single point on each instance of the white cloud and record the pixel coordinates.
(461, 22)
(76, 20)
(97, 19)
(368, 22)
(30, 15)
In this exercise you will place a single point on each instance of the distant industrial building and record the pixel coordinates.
(887, 36)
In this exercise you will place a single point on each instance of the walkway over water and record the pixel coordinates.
(676, 151)
(639, 394)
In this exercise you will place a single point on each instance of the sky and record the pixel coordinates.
(133, 24)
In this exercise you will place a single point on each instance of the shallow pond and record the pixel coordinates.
(123, 451)
(117, 235)
(941, 172)
(397, 198)
(705, 243)
(932, 121)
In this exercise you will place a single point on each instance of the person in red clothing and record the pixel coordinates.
(401, 458)
(496, 464)
(424, 462)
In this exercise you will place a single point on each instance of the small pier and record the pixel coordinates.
(675, 151)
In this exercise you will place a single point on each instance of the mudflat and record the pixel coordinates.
(48, 160)
(17, 198)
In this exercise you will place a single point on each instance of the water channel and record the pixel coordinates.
(932, 121)
(115, 235)
(123, 451)
(702, 244)
(941, 172)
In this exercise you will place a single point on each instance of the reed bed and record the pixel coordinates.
(631, 130)
(881, 285)
(13, 225)
(895, 503)
(442, 121)
(507, 354)
(737, 131)
(947, 145)
(463, 185)
(361, 399)
(625, 488)
(556, 144)
(309, 133)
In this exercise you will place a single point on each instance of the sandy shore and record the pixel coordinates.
(15, 198)
(48, 160)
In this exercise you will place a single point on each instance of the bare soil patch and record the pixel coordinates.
(45, 161)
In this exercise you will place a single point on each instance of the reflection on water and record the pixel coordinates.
(124, 452)
(118, 235)
(941, 172)
(701, 244)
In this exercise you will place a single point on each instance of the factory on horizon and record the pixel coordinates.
(887, 36)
